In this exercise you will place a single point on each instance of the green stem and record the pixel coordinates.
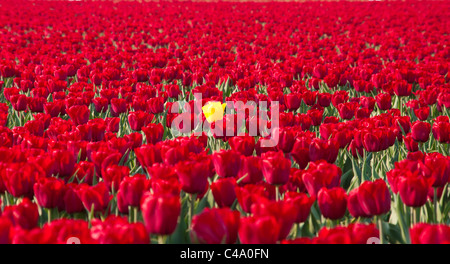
(191, 208)
(135, 213)
(162, 239)
(130, 212)
(435, 204)
(380, 227)
(49, 215)
(277, 193)
(417, 215)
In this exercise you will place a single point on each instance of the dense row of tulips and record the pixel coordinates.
(87, 149)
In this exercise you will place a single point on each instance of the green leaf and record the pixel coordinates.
(202, 204)
(394, 233)
(401, 218)
(180, 236)
(366, 172)
(346, 179)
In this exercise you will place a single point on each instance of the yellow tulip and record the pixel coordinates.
(213, 111)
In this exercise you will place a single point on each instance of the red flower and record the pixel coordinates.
(72, 198)
(332, 202)
(226, 163)
(113, 176)
(354, 205)
(215, 226)
(321, 149)
(248, 195)
(24, 215)
(95, 197)
(250, 170)
(79, 114)
(285, 213)
(413, 188)
(303, 204)
(259, 230)
(383, 101)
(245, 145)
(410, 143)
(223, 191)
(160, 212)
(292, 101)
(374, 197)
(420, 131)
(139, 119)
(130, 191)
(441, 131)
(275, 168)
(193, 176)
(147, 155)
(117, 230)
(321, 174)
(19, 178)
(430, 234)
(153, 133)
(286, 139)
(50, 192)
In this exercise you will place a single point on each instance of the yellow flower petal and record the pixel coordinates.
(213, 111)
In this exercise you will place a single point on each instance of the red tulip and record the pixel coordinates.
(113, 176)
(153, 133)
(72, 198)
(374, 197)
(160, 212)
(245, 145)
(223, 191)
(275, 168)
(95, 197)
(112, 124)
(139, 119)
(193, 176)
(286, 139)
(413, 189)
(248, 195)
(354, 205)
(6, 230)
(215, 226)
(50, 192)
(422, 113)
(19, 178)
(321, 174)
(420, 131)
(285, 212)
(147, 155)
(24, 215)
(292, 101)
(19, 102)
(303, 204)
(321, 149)
(259, 230)
(250, 170)
(226, 163)
(402, 88)
(118, 106)
(130, 191)
(117, 230)
(438, 169)
(332, 202)
(423, 233)
(410, 143)
(383, 101)
(79, 114)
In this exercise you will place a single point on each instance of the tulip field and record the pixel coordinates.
(187, 122)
